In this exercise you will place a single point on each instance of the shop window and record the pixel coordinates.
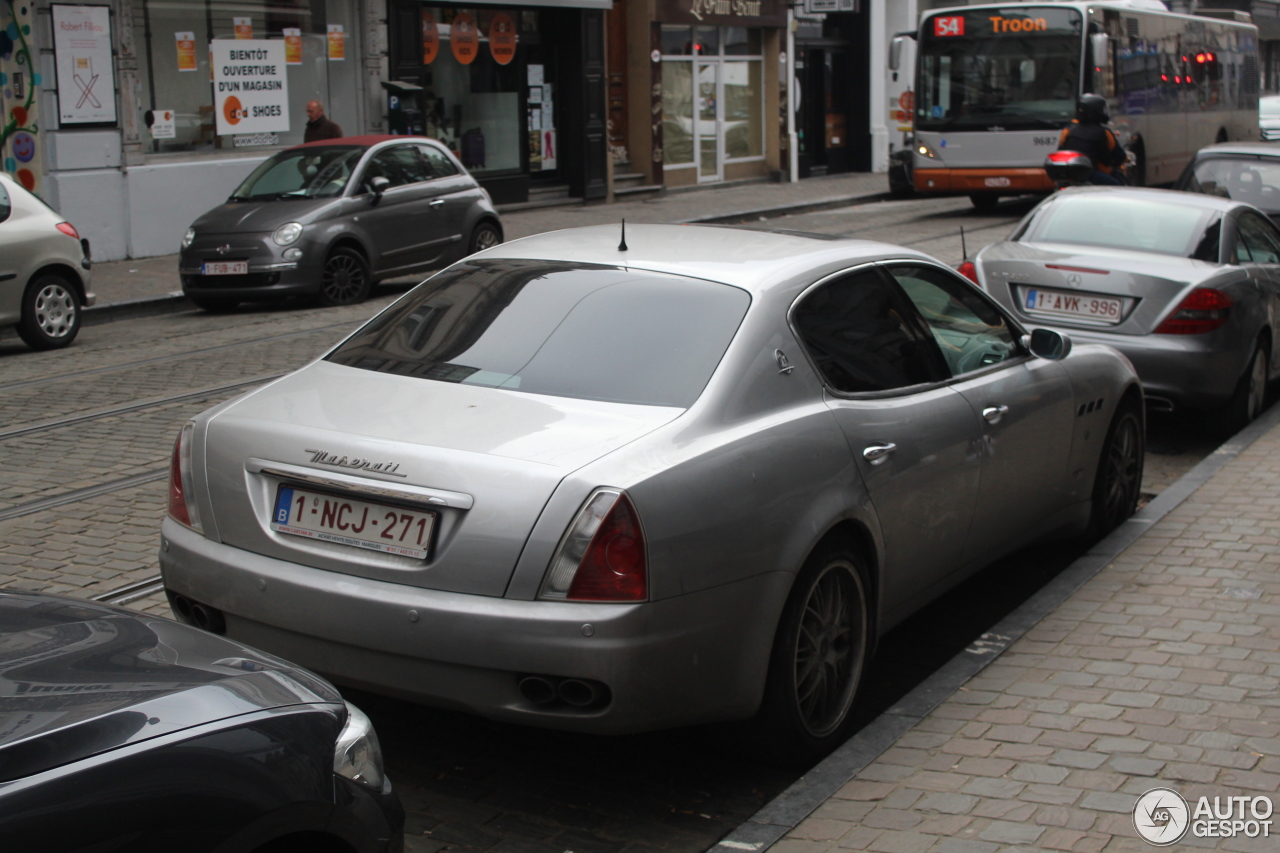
(474, 86)
(743, 90)
(173, 36)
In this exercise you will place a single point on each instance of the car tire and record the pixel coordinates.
(1250, 395)
(50, 313)
(345, 278)
(1118, 482)
(485, 236)
(984, 201)
(819, 654)
(213, 303)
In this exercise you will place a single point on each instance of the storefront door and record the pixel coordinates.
(707, 127)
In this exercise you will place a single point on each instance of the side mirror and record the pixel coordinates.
(895, 53)
(1101, 50)
(379, 185)
(1047, 344)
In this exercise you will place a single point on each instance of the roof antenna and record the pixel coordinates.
(622, 244)
(963, 251)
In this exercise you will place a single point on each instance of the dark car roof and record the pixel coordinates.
(77, 675)
(1252, 149)
(366, 141)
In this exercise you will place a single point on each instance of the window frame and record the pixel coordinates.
(881, 268)
(1268, 228)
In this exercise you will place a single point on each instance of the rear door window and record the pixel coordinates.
(969, 331)
(1255, 242)
(403, 164)
(863, 337)
(562, 329)
(438, 163)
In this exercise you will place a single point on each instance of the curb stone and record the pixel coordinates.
(784, 812)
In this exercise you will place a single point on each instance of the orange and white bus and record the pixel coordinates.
(995, 85)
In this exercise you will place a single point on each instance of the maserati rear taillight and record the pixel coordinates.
(1204, 310)
(182, 506)
(602, 556)
(969, 271)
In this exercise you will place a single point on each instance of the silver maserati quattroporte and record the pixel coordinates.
(611, 488)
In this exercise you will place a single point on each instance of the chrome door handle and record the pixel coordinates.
(876, 453)
(993, 414)
(436, 203)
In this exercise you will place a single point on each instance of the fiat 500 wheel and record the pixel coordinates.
(50, 313)
(486, 236)
(345, 278)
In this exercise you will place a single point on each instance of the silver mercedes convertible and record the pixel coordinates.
(614, 486)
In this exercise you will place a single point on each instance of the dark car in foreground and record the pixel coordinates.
(1186, 285)
(120, 731)
(1247, 172)
(329, 219)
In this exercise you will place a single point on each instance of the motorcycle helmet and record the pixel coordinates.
(1092, 109)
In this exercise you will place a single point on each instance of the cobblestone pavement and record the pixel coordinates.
(1164, 669)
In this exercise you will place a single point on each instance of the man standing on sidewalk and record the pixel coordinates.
(319, 127)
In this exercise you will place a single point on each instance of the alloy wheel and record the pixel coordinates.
(1257, 385)
(1122, 474)
(486, 238)
(344, 279)
(830, 648)
(55, 311)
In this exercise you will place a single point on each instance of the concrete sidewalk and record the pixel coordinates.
(1153, 661)
(143, 286)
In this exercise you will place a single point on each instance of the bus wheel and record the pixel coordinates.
(984, 201)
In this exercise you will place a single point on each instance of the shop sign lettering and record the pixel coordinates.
(744, 8)
(250, 86)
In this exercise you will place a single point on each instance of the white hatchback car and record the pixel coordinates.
(44, 269)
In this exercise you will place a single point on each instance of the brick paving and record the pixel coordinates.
(1164, 669)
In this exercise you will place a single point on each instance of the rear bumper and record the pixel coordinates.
(690, 659)
(1031, 180)
(1188, 371)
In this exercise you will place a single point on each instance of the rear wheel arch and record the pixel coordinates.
(67, 272)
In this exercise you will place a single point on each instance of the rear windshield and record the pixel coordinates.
(1104, 219)
(567, 330)
(1249, 179)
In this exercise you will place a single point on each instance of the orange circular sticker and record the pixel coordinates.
(502, 38)
(232, 111)
(464, 38)
(430, 38)
(907, 101)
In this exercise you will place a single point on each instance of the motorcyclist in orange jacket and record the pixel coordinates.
(1089, 135)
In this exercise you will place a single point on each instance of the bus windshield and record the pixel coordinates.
(1005, 69)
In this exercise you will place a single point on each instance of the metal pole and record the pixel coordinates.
(793, 151)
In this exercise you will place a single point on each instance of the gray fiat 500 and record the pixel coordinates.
(573, 485)
(328, 219)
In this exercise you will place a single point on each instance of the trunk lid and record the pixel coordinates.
(1147, 285)
(484, 460)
